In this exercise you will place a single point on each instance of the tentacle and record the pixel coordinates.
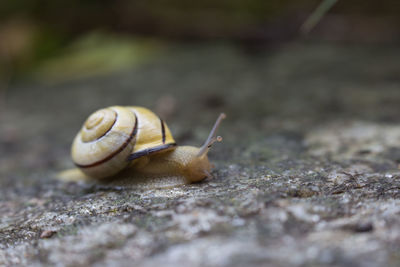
(211, 137)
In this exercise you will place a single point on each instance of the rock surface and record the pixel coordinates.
(307, 174)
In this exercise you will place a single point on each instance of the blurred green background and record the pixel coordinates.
(54, 39)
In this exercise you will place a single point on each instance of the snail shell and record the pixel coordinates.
(112, 135)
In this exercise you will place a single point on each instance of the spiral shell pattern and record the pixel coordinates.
(112, 137)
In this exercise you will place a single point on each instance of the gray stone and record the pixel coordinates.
(307, 174)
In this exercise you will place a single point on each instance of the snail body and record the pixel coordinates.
(118, 138)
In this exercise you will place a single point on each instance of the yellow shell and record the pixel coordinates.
(112, 137)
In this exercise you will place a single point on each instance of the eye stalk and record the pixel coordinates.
(212, 138)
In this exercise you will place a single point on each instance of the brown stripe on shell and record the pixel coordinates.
(120, 149)
(149, 151)
(162, 131)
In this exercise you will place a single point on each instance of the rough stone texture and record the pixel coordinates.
(307, 173)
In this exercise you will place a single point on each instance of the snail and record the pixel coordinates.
(133, 138)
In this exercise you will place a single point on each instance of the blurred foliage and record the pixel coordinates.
(38, 53)
(96, 53)
(32, 32)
